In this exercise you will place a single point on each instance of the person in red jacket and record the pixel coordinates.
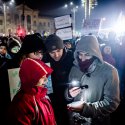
(31, 105)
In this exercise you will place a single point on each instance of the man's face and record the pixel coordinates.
(56, 54)
(68, 45)
(3, 50)
(83, 56)
(36, 55)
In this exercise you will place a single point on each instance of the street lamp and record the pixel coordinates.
(74, 19)
(5, 16)
(74, 9)
(4, 13)
(88, 6)
(100, 25)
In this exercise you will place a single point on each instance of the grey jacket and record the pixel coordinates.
(102, 96)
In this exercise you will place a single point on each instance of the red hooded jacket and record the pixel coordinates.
(30, 105)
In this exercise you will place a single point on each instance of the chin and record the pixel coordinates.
(57, 59)
(42, 86)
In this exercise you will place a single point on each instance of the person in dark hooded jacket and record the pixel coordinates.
(96, 94)
(61, 61)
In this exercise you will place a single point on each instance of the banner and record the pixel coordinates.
(62, 21)
(91, 26)
(65, 33)
(14, 81)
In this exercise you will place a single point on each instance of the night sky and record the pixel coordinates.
(110, 9)
(55, 7)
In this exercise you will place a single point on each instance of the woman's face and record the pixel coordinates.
(107, 50)
(42, 82)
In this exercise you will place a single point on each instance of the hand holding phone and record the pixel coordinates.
(74, 91)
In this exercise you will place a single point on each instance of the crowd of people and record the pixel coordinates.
(96, 98)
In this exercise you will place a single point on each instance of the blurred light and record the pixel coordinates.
(65, 5)
(96, 3)
(119, 27)
(77, 7)
(101, 25)
(103, 18)
(21, 32)
(32, 32)
(83, 2)
(92, 7)
(71, 3)
(78, 34)
(7, 7)
(74, 10)
(11, 2)
(3, 34)
(74, 82)
(28, 33)
(88, 6)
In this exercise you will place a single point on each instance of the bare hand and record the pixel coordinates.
(76, 106)
(74, 91)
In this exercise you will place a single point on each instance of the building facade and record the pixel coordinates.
(27, 18)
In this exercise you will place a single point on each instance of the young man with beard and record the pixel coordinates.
(61, 61)
(97, 94)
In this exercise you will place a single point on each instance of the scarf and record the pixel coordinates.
(84, 65)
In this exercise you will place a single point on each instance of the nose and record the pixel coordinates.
(82, 58)
(41, 56)
(45, 80)
(56, 55)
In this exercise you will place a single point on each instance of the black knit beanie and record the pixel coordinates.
(32, 43)
(3, 44)
(53, 42)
